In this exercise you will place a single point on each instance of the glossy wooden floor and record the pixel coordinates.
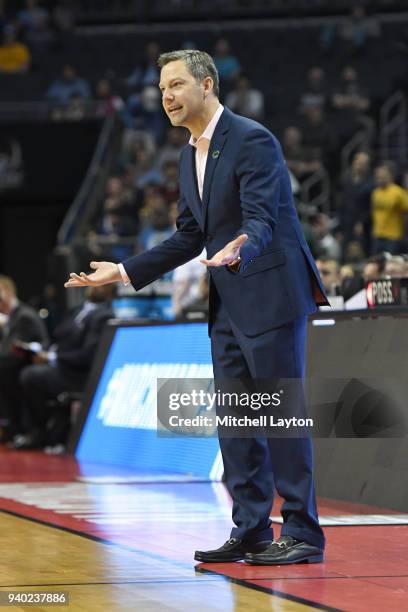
(130, 547)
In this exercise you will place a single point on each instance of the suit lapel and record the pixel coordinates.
(214, 153)
(195, 203)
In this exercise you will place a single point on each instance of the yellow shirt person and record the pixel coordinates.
(14, 56)
(389, 204)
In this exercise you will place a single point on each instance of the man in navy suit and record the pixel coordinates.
(236, 201)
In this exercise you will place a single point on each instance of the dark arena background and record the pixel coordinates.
(98, 511)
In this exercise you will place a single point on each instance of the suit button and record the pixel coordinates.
(209, 237)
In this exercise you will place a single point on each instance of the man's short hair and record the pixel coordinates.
(199, 63)
(7, 283)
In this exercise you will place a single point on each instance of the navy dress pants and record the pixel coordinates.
(254, 467)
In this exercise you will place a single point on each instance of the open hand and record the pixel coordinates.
(229, 255)
(105, 273)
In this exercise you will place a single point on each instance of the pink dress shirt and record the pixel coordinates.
(201, 144)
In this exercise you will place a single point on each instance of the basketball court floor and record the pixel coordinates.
(114, 541)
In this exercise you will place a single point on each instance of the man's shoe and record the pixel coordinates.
(233, 550)
(284, 551)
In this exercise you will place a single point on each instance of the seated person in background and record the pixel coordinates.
(32, 16)
(68, 86)
(176, 139)
(169, 187)
(350, 94)
(14, 55)
(147, 73)
(245, 100)
(198, 309)
(319, 135)
(395, 267)
(106, 101)
(187, 285)
(374, 267)
(315, 93)
(326, 243)
(143, 111)
(330, 272)
(389, 205)
(351, 281)
(301, 161)
(65, 366)
(155, 221)
(356, 30)
(353, 252)
(18, 323)
(355, 210)
(227, 64)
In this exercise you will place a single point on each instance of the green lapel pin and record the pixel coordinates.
(215, 154)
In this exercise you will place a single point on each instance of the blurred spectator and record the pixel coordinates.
(198, 309)
(14, 55)
(318, 134)
(120, 198)
(40, 38)
(73, 110)
(301, 161)
(119, 222)
(356, 30)
(63, 16)
(106, 102)
(327, 244)
(395, 267)
(148, 72)
(18, 323)
(374, 267)
(142, 172)
(389, 205)
(187, 285)
(144, 112)
(176, 139)
(245, 100)
(170, 184)
(315, 93)
(155, 221)
(349, 94)
(69, 86)
(355, 208)
(227, 64)
(132, 142)
(32, 17)
(353, 252)
(350, 282)
(329, 270)
(65, 366)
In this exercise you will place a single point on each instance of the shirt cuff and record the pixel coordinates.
(125, 278)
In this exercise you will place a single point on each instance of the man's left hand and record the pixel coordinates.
(229, 255)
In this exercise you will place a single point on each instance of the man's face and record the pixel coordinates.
(382, 176)
(182, 95)
(371, 271)
(361, 163)
(329, 273)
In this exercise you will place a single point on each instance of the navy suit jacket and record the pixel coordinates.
(246, 190)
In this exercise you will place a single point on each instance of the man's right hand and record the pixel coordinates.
(105, 273)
